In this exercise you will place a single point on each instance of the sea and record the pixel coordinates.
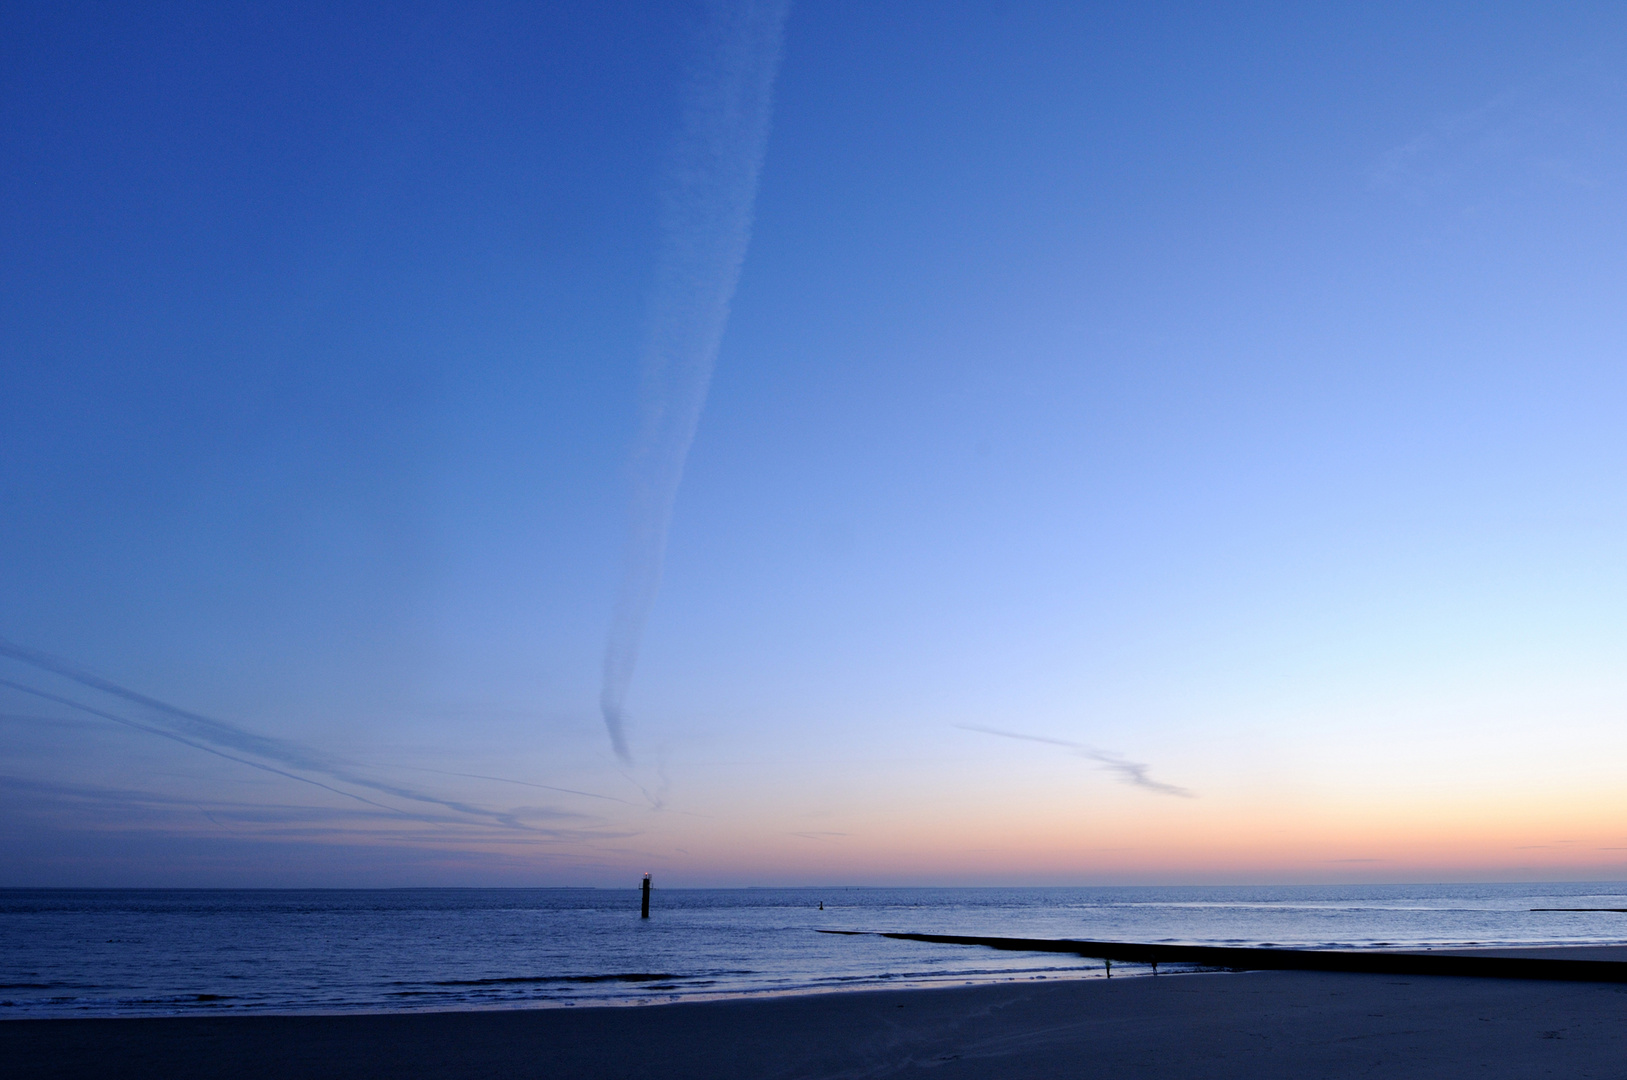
(140, 952)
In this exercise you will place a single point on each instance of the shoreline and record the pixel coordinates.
(1216, 1024)
(1221, 1025)
(1121, 969)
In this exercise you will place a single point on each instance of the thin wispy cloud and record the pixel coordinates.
(150, 729)
(522, 783)
(1559, 134)
(127, 809)
(294, 761)
(706, 223)
(1129, 772)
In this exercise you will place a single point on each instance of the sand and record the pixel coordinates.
(1255, 1025)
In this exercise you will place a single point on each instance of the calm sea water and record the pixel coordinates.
(152, 952)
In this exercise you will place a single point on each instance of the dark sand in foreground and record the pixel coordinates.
(1255, 1025)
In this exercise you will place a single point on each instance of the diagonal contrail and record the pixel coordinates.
(228, 740)
(706, 226)
(46, 695)
(1130, 772)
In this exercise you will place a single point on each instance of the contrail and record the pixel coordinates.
(506, 780)
(227, 740)
(1131, 772)
(291, 821)
(706, 225)
(161, 733)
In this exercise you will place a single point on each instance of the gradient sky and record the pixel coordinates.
(1227, 399)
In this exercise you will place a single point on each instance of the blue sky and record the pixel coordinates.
(1230, 390)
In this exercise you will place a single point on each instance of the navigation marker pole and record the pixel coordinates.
(645, 912)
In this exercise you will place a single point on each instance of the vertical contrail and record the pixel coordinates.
(711, 185)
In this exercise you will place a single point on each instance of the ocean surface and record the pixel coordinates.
(162, 952)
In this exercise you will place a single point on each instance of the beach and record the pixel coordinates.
(1216, 1025)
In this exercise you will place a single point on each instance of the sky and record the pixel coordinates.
(911, 444)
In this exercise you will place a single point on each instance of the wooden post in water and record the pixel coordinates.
(644, 913)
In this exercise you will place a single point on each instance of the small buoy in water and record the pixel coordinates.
(821, 905)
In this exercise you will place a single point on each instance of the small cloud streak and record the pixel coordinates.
(1561, 135)
(1129, 772)
(523, 783)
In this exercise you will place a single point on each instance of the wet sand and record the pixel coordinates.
(1255, 1025)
